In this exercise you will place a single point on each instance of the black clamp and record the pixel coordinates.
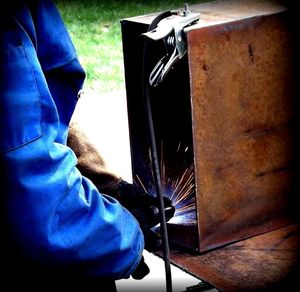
(171, 30)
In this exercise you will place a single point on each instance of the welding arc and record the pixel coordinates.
(155, 163)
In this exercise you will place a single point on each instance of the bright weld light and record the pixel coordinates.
(180, 189)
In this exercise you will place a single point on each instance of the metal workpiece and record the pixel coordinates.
(226, 119)
(269, 262)
(242, 95)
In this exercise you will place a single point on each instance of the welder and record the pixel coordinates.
(60, 228)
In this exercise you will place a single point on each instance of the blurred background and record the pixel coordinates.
(95, 28)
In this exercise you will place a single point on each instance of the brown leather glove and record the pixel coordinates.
(90, 162)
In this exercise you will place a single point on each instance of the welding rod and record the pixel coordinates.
(155, 162)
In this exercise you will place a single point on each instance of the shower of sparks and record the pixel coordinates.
(181, 190)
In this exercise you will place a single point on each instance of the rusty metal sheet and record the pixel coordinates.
(230, 101)
(242, 111)
(268, 262)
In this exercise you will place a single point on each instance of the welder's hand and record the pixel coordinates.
(141, 271)
(133, 197)
(145, 208)
(148, 217)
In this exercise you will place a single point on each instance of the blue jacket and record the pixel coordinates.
(55, 216)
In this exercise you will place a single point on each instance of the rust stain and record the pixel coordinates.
(242, 112)
(268, 262)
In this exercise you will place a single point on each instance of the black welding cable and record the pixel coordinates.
(155, 162)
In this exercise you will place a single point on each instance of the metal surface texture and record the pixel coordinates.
(268, 262)
(242, 95)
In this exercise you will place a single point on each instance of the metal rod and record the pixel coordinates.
(155, 162)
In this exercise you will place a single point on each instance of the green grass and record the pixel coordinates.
(96, 32)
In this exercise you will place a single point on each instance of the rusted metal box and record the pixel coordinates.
(224, 121)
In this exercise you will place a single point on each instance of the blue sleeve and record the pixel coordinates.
(55, 214)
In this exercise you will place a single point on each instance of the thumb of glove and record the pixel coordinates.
(141, 270)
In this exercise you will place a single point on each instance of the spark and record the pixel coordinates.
(180, 189)
(141, 184)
